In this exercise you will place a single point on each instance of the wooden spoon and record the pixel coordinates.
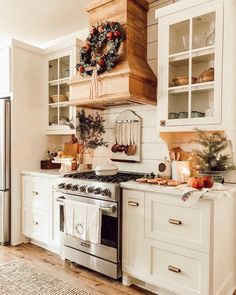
(115, 146)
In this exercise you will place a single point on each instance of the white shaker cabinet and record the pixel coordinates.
(170, 248)
(195, 73)
(40, 211)
(5, 71)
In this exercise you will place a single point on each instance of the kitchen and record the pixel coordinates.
(149, 221)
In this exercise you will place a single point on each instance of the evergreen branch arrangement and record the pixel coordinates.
(90, 130)
(211, 157)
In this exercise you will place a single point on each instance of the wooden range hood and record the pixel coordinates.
(131, 81)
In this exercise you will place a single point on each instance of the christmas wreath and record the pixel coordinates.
(101, 48)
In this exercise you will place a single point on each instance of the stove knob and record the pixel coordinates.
(90, 189)
(97, 191)
(106, 192)
(75, 187)
(83, 188)
(69, 186)
(61, 185)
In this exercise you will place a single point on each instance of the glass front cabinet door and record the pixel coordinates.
(190, 67)
(59, 71)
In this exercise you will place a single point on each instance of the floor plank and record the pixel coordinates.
(93, 282)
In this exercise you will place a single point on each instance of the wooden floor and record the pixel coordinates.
(51, 263)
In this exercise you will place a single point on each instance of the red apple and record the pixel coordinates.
(87, 46)
(109, 35)
(208, 181)
(81, 69)
(101, 62)
(196, 182)
(117, 34)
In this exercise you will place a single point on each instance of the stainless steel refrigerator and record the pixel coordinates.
(5, 166)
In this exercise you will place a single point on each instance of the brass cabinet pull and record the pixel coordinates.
(35, 222)
(35, 193)
(134, 204)
(163, 123)
(175, 221)
(174, 269)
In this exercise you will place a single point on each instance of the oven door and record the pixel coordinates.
(109, 248)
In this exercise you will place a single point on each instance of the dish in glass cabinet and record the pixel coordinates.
(183, 80)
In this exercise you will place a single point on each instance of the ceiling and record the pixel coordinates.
(38, 22)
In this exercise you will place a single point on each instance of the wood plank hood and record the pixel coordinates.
(131, 81)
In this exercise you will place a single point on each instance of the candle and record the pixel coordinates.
(185, 174)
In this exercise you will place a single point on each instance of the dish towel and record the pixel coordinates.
(94, 223)
(217, 192)
(68, 217)
(80, 220)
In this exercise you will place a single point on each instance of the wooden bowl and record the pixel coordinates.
(61, 98)
(183, 80)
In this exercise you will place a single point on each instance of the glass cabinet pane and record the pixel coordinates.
(203, 30)
(179, 37)
(64, 64)
(178, 73)
(53, 116)
(178, 106)
(64, 92)
(202, 103)
(64, 115)
(53, 70)
(53, 93)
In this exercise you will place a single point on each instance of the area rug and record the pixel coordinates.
(18, 278)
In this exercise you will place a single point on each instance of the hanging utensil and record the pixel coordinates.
(121, 147)
(115, 146)
(126, 136)
(133, 133)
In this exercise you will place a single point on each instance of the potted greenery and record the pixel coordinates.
(212, 159)
(89, 131)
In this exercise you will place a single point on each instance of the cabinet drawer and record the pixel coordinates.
(168, 219)
(177, 269)
(36, 192)
(35, 225)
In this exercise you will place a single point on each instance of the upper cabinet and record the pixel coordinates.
(59, 68)
(5, 71)
(190, 65)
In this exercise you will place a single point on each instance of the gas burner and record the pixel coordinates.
(118, 178)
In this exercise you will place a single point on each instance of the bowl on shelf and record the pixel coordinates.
(206, 76)
(58, 98)
(68, 95)
(183, 80)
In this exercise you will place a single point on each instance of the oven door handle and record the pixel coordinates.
(111, 209)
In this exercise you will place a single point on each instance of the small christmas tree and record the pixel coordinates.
(211, 157)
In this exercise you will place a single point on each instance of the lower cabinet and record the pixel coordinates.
(40, 211)
(170, 248)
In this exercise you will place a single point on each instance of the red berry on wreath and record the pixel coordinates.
(81, 69)
(100, 29)
(109, 35)
(93, 30)
(117, 34)
(101, 62)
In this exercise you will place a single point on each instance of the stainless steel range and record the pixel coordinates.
(102, 191)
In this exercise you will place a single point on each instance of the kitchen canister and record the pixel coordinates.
(164, 169)
(181, 170)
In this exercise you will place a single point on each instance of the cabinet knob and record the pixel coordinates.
(35, 222)
(174, 269)
(35, 193)
(162, 123)
(175, 221)
(134, 204)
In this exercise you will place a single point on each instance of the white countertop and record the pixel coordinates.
(49, 173)
(134, 185)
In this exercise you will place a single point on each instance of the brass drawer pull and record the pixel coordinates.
(35, 222)
(35, 193)
(175, 221)
(134, 204)
(174, 269)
